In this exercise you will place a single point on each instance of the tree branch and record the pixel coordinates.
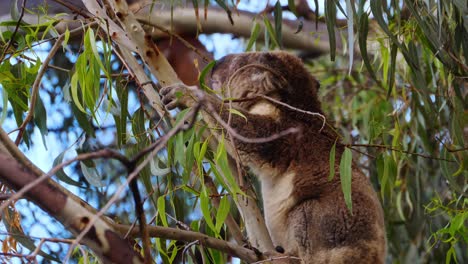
(190, 236)
(101, 238)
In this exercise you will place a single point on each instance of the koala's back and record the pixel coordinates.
(324, 231)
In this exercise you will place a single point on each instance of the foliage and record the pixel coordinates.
(404, 105)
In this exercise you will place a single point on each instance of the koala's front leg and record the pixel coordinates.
(180, 95)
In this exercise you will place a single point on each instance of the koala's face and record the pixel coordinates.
(243, 74)
(276, 74)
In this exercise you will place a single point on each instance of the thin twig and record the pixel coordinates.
(273, 259)
(291, 130)
(266, 97)
(362, 152)
(450, 149)
(297, 110)
(189, 236)
(141, 217)
(398, 150)
(187, 247)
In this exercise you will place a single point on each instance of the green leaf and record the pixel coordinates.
(218, 176)
(83, 120)
(223, 5)
(253, 36)
(4, 105)
(155, 169)
(201, 156)
(376, 7)
(40, 119)
(317, 14)
(61, 175)
(222, 213)
(90, 43)
(362, 38)
(350, 20)
(121, 119)
(161, 245)
(190, 156)
(205, 208)
(162, 210)
(22, 238)
(74, 91)
(204, 72)
(222, 162)
(138, 124)
(278, 15)
(386, 168)
(330, 16)
(14, 11)
(346, 177)
(66, 38)
(179, 149)
(391, 72)
(399, 206)
(332, 162)
(271, 31)
(451, 254)
(292, 6)
(91, 175)
(237, 112)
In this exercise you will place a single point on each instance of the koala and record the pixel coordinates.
(305, 212)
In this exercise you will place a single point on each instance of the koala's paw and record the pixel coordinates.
(177, 95)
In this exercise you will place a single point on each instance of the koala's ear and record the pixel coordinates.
(315, 83)
(219, 63)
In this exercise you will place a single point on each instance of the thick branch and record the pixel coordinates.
(101, 238)
(312, 38)
(184, 22)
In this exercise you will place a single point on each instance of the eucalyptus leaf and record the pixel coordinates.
(254, 33)
(91, 175)
(271, 32)
(278, 15)
(60, 174)
(350, 20)
(346, 177)
(162, 210)
(205, 209)
(222, 213)
(40, 119)
(330, 16)
(155, 169)
(18, 234)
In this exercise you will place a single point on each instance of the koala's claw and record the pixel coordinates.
(170, 98)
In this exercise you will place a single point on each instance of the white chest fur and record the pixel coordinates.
(265, 108)
(277, 192)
